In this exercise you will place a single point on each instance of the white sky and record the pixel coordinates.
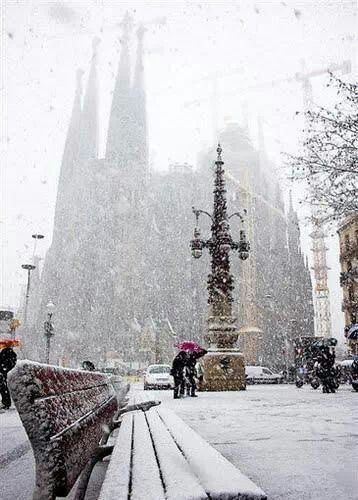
(250, 43)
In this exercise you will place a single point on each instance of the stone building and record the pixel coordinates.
(119, 269)
(348, 241)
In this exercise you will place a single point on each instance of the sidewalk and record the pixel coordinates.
(296, 444)
(17, 465)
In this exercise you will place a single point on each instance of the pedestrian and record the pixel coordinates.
(191, 371)
(88, 366)
(325, 369)
(8, 360)
(177, 372)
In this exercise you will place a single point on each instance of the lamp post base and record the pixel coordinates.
(224, 370)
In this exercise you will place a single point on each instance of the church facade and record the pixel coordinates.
(119, 269)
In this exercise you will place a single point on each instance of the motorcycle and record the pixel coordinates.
(354, 375)
(308, 378)
(315, 383)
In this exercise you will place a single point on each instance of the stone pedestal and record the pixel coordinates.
(224, 370)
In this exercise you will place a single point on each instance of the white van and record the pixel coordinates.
(262, 375)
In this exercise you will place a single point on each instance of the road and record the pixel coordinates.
(295, 443)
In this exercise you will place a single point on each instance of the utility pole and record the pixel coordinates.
(29, 268)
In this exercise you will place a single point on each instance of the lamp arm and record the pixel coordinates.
(238, 215)
(198, 212)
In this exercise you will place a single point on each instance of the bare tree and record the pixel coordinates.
(329, 162)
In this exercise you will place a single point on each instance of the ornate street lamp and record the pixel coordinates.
(222, 334)
(48, 328)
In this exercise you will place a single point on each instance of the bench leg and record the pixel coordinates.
(108, 431)
(101, 452)
(43, 493)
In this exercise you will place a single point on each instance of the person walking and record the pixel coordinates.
(326, 370)
(191, 371)
(177, 372)
(8, 360)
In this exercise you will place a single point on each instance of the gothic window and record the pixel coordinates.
(347, 242)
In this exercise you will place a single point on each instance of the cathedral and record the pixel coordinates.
(119, 269)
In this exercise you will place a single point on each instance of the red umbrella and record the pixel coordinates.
(9, 343)
(189, 346)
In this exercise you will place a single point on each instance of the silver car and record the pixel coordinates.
(158, 377)
(262, 375)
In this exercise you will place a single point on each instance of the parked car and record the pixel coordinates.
(158, 377)
(262, 375)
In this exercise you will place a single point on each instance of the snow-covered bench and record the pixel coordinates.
(68, 415)
(158, 457)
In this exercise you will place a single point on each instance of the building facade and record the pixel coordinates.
(348, 241)
(119, 269)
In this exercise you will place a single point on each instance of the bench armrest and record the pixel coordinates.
(147, 405)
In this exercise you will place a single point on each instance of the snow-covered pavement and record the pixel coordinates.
(295, 444)
(17, 464)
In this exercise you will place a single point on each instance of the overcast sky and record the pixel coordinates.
(247, 43)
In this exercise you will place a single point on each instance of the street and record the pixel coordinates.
(294, 443)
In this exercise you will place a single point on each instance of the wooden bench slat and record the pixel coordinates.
(180, 483)
(220, 478)
(146, 482)
(117, 481)
(69, 409)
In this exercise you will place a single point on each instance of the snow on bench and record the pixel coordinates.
(158, 457)
(64, 413)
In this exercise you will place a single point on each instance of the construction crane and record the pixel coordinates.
(322, 310)
(214, 78)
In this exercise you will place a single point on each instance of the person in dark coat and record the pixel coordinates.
(88, 366)
(191, 372)
(8, 360)
(177, 372)
(325, 371)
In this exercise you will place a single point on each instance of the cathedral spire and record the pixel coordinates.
(69, 158)
(139, 107)
(89, 122)
(260, 136)
(294, 242)
(119, 133)
(278, 197)
(290, 201)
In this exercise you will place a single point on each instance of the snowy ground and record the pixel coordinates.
(295, 444)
